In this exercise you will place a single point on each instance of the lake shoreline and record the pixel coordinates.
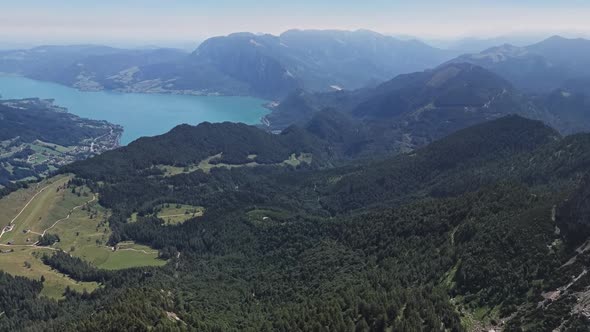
(140, 114)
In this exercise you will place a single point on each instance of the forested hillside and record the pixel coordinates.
(413, 110)
(456, 236)
(186, 146)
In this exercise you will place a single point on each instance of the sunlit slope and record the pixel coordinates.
(55, 207)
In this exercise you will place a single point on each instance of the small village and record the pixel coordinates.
(23, 160)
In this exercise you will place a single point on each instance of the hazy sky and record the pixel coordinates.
(157, 21)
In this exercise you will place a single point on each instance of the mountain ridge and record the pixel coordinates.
(415, 109)
(539, 67)
(238, 64)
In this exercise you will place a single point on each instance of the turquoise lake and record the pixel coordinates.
(139, 114)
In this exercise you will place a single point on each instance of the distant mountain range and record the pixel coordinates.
(272, 67)
(87, 67)
(539, 67)
(239, 64)
(477, 44)
(412, 110)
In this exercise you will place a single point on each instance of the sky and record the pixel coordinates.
(190, 21)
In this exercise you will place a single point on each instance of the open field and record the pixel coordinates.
(40, 198)
(129, 254)
(207, 165)
(85, 235)
(43, 151)
(53, 147)
(55, 282)
(174, 214)
(53, 203)
(81, 224)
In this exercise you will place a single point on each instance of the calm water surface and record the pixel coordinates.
(139, 114)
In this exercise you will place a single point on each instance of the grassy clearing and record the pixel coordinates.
(37, 209)
(10, 205)
(55, 282)
(53, 147)
(174, 214)
(78, 220)
(85, 235)
(52, 204)
(129, 254)
(128, 259)
(44, 151)
(206, 165)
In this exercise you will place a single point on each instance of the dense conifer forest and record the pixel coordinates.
(416, 242)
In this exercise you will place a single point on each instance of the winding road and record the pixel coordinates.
(9, 228)
(6, 229)
(69, 214)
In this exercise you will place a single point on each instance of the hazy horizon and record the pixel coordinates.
(183, 23)
(189, 45)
